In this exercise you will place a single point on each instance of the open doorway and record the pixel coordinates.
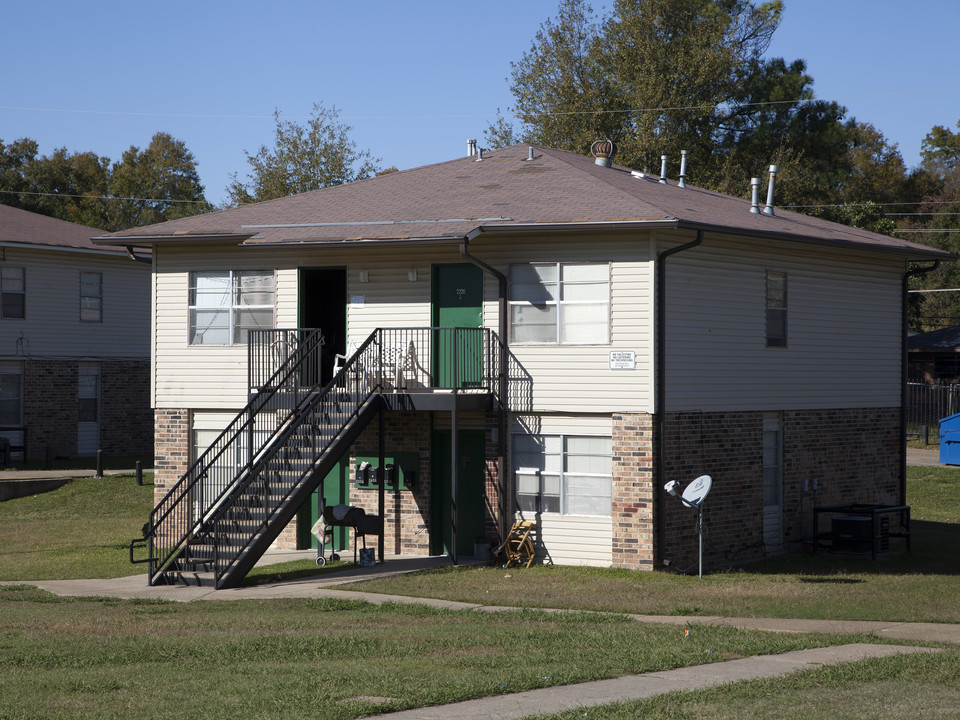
(323, 304)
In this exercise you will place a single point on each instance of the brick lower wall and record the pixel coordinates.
(50, 408)
(853, 453)
(407, 513)
(126, 419)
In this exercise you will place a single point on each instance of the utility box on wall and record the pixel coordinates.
(400, 470)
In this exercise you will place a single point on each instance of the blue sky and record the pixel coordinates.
(414, 79)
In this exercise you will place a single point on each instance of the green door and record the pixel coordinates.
(471, 505)
(457, 303)
(335, 490)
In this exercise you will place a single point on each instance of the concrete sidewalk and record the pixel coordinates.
(327, 586)
(637, 687)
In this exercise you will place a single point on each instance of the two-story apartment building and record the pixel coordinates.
(615, 331)
(74, 342)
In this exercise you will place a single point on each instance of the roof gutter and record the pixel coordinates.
(133, 256)
(660, 407)
(502, 386)
(904, 352)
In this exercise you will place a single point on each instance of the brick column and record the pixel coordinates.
(171, 449)
(633, 492)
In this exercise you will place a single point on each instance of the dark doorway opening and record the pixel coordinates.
(323, 304)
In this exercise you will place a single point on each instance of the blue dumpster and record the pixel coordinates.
(950, 440)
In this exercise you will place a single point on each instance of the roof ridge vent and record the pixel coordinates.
(603, 151)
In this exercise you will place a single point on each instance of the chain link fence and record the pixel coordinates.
(926, 405)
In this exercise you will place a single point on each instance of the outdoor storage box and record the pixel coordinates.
(950, 440)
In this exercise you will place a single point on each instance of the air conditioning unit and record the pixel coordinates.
(854, 534)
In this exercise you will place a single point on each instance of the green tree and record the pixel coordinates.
(155, 184)
(303, 158)
(940, 155)
(654, 76)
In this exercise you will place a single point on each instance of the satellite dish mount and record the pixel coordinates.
(693, 496)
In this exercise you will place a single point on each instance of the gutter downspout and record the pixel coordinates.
(502, 387)
(903, 375)
(133, 256)
(660, 390)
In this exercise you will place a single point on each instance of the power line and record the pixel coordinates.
(227, 116)
(98, 197)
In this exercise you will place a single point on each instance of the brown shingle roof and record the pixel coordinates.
(28, 228)
(503, 191)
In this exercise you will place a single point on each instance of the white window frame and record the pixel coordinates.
(5, 283)
(230, 304)
(526, 471)
(560, 301)
(91, 304)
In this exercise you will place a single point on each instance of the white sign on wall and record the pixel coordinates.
(623, 360)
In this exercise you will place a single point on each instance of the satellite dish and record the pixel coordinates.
(696, 492)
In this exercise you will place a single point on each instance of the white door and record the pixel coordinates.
(772, 485)
(88, 408)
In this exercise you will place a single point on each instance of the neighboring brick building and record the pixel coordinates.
(643, 331)
(74, 342)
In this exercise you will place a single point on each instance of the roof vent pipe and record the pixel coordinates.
(768, 208)
(530, 153)
(471, 148)
(683, 169)
(479, 154)
(663, 169)
(755, 196)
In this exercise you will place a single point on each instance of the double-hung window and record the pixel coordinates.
(91, 296)
(13, 293)
(564, 474)
(560, 303)
(224, 306)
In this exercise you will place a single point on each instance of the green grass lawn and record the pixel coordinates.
(83, 658)
(81, 530)
(80, 658)
(922, 586)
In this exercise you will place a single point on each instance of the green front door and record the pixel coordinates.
(471, 505)
(457, 303)
(335, 490)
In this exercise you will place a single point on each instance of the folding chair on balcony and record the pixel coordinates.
(395, 361)
(518, 547)
(340, 361)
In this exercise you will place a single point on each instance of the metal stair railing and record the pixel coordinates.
(202, 488)
(288, 468)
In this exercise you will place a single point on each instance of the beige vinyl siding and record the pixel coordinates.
(52, 326)
(208, 376)
(564, 377)
(570, 539)
(574, 378)
(843, 329)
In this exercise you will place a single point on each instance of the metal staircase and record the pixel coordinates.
(215, 523)
(218, 519)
